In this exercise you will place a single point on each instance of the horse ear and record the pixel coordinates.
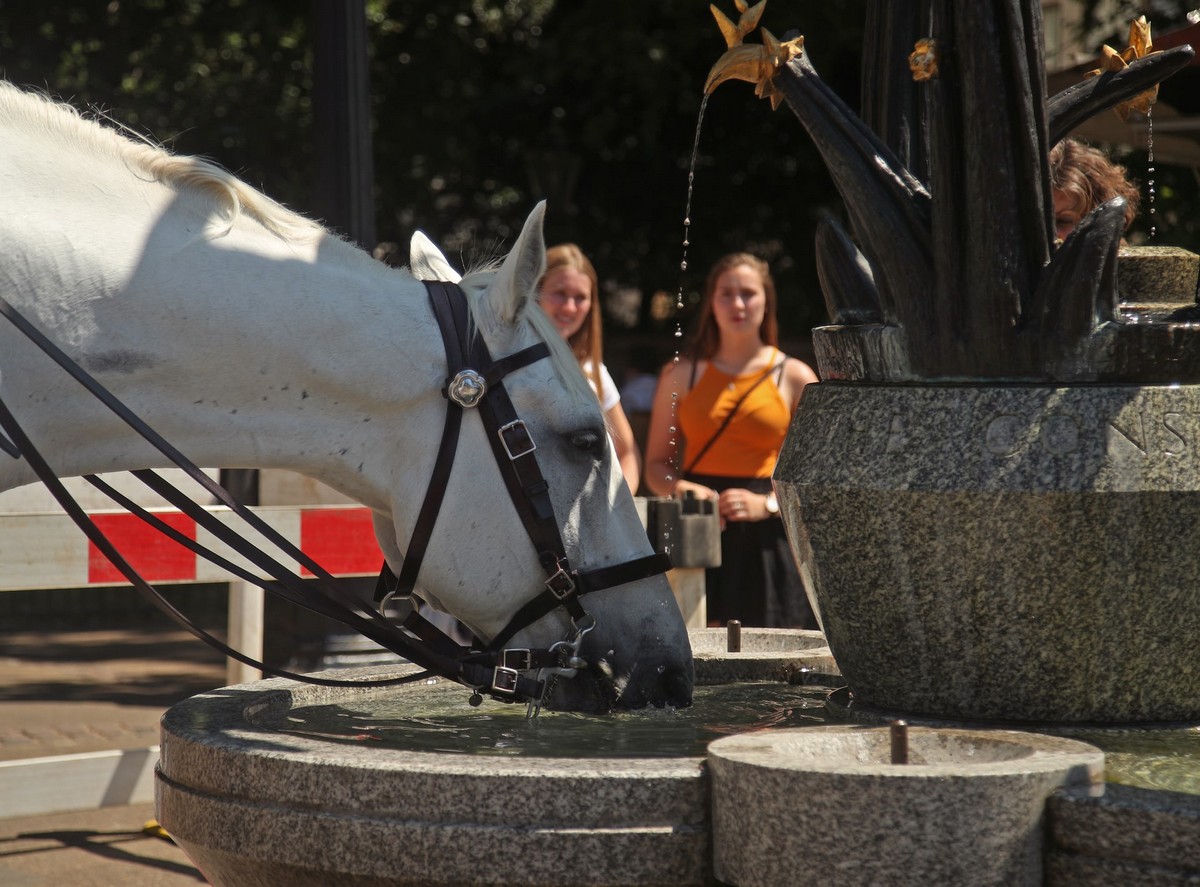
(426, 261)
(516, 281)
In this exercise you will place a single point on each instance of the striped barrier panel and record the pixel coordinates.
(47, 550)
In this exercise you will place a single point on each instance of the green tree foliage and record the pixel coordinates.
(481, 108)
(593, 106)
(228, 79)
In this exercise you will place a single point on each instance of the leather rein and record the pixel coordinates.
(507, 674)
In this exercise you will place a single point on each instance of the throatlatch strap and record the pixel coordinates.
(585, 583)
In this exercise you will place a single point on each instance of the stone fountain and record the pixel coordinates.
(994, 490)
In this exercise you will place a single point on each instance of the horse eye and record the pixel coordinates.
(587, 441)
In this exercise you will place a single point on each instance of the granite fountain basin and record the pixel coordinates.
(966, 808)
(247, 784)
(1016, 553)
(253, 803)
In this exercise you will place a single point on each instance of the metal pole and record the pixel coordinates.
(345, 170)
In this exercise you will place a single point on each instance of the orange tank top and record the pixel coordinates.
(749, 445)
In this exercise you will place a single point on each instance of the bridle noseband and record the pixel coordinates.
(475, 381)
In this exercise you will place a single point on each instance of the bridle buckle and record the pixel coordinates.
(561, 584)
(516, 659)
(504, 680)
(516, 439)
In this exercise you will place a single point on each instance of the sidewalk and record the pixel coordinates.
(72, 692)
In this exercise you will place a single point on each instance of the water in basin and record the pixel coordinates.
(437, 718)
(1163, 758)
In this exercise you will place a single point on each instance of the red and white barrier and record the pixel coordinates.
(47, 550)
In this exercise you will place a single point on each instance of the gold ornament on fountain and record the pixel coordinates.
(1140, 46)
(754, 64)
(923, 60)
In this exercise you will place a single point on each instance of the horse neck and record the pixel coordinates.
(240, 357)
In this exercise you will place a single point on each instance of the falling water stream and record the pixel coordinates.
(437, 717)
(1150, 187)
(683, 265)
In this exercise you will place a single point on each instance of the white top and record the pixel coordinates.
(638, 393)
(608, 394)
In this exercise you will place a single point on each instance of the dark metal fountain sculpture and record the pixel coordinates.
(994, 492)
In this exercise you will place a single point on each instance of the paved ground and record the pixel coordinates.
(95, 689)
(90, 689)
(98, 848)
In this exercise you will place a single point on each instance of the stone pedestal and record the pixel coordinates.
(689, 530)
(765, 654)
(1010, 553)
(1157, 275)
(825, 805)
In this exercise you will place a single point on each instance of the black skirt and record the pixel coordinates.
(757, 582)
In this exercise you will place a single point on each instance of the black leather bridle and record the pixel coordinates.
(475, 381)
(504, 673)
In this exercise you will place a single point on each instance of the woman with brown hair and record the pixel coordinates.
(1082, 178)
(569, 294)
(720, 415)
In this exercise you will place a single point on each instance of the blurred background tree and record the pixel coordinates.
(480, 109)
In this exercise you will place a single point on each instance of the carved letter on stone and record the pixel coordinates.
(1002, 436)
(1136, 435)
(1174, 423)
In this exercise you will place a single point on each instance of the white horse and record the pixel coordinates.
(248, 336)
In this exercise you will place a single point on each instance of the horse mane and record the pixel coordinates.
(66, 124)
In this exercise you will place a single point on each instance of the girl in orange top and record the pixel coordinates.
(732, 399)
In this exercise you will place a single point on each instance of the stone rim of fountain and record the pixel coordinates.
(767, 654)
(225, 785)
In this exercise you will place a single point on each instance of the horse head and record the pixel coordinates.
(635, 647)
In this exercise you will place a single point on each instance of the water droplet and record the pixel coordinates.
(1194, 16)
(685, 242)
(683, 265)
(687, 222)
(679, 333)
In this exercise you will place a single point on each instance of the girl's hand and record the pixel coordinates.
(698, 491)
(736, 504)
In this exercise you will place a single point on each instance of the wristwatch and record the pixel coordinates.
(772, 504)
